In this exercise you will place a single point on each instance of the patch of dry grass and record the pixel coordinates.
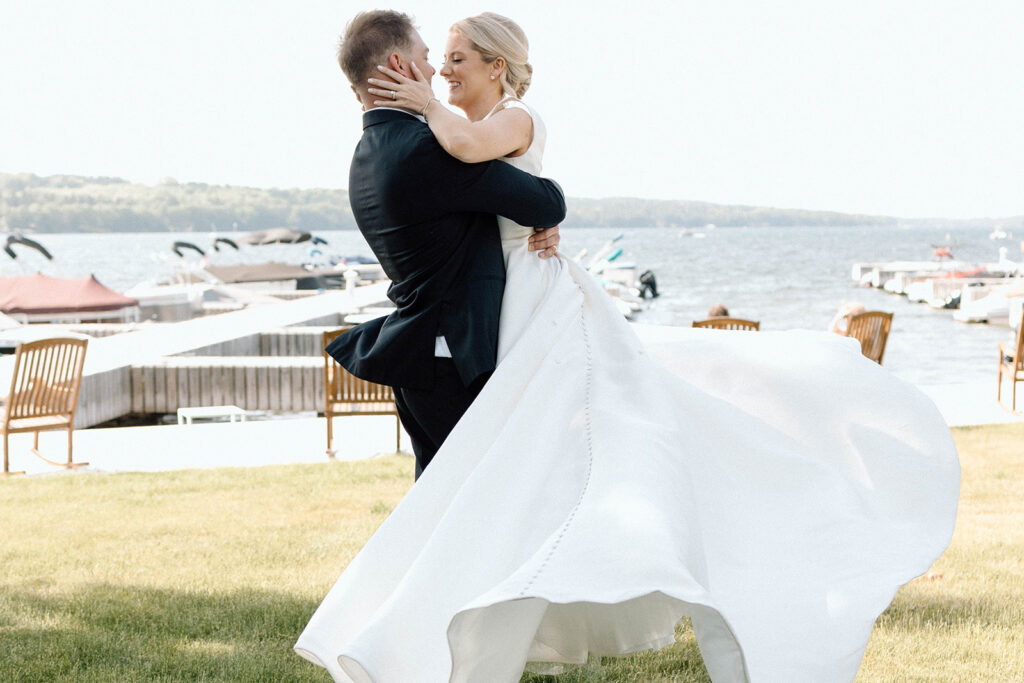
(193, 575)
(964, 620)
(211, 574)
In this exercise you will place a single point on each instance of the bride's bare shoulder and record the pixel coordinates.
(520, 122)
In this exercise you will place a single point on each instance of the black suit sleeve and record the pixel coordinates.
(495, 187)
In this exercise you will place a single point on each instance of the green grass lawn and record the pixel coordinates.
(210, 575)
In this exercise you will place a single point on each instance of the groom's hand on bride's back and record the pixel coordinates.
(545, 240)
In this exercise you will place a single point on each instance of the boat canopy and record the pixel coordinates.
(273, 236)
(258, 272)
(42, 294)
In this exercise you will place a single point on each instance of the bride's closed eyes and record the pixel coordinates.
(456, 57)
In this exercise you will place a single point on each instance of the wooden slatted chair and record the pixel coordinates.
(871, 329)
(1011, 361)
(346, 394)
(724, 323)
(44, 393)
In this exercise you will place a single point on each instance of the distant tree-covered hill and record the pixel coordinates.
(77, 204)
(67, 203)
(628, 212)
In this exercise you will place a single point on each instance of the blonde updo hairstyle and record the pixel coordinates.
(493, 36)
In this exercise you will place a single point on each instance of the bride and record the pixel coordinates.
(610, 480)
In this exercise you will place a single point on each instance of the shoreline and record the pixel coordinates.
(301, 438)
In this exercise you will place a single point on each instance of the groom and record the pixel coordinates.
(430, 220)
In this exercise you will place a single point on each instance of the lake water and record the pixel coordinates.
(787, 278)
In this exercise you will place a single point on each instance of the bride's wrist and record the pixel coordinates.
(426, 106)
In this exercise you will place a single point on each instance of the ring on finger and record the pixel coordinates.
(394, 94)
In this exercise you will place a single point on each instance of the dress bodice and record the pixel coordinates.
(529, 161)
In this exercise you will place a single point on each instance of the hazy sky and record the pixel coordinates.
(878, 106)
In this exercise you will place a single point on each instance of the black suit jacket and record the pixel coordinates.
(430, 220)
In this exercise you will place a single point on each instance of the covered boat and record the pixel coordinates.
(43, 299)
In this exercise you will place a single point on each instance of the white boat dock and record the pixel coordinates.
(302, 438)
(952, 285)
(876, 274)
(289, 440)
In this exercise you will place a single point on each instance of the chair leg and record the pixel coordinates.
(330, 436)
(398, 435)
(71, 431)
(7, 472)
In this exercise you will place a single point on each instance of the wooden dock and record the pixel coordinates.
(287, 384)
(213, 360)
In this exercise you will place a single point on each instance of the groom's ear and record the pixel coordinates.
(396, 62)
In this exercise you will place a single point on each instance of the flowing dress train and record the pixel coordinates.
(775, 487)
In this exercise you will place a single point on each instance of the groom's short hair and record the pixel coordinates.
(369, 39)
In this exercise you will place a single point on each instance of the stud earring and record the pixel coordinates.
(492, 78)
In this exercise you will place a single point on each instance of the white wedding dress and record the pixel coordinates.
(775, 487)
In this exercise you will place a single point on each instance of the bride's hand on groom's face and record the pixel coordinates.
(398, 90)
(545, 241)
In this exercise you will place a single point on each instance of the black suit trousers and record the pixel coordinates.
(429, 415)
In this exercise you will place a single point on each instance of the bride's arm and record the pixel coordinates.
(506, 133)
